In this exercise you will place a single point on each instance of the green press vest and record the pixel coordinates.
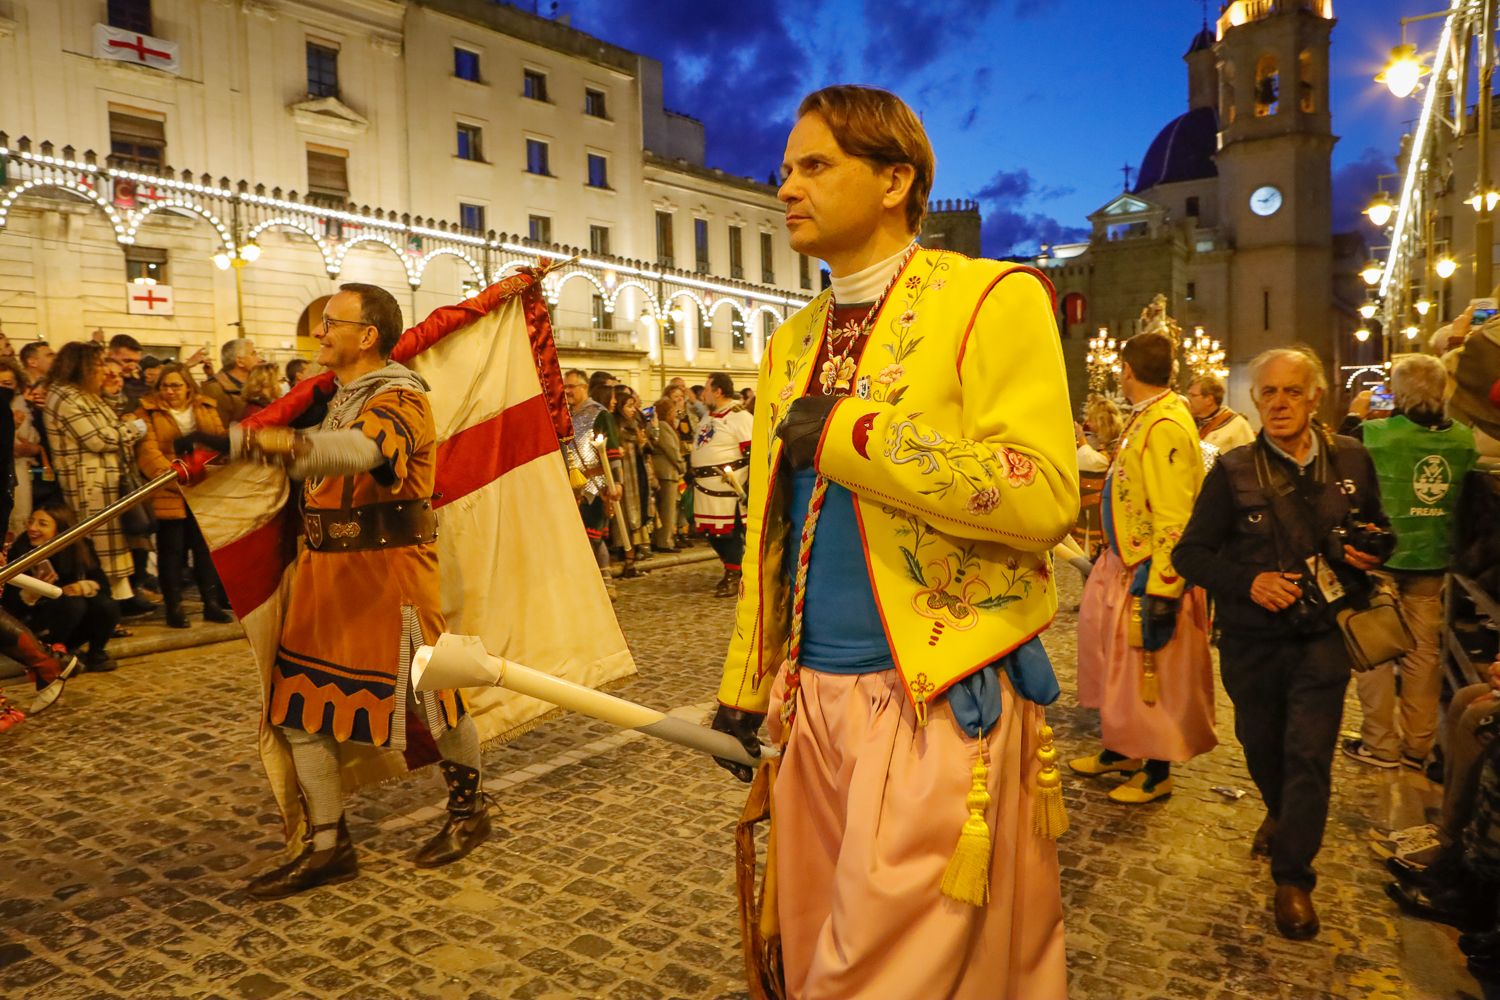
(1421, 471)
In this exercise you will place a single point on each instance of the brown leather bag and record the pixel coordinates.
(760, 928)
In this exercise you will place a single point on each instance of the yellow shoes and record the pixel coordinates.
(1136, 792)
(1095, 765)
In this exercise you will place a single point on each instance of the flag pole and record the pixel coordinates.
(86, 526)
(462, 661)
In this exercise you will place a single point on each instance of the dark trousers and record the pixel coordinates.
(175, 538)
(74, 621)
(1288, 699)
(730, 548)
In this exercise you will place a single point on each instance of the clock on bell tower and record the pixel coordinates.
(1275, 147)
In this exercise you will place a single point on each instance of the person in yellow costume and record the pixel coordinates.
(912, 467)
(1143, 650)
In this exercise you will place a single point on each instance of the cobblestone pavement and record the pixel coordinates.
(135, 809)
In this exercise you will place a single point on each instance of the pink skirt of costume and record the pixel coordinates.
(868, 810)
(1180, 725)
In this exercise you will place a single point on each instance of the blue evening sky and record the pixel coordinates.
(1033, 105)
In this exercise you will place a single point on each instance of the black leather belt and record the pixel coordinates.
(372, 526)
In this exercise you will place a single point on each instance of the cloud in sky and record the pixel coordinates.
(1354, 184)
(1009, 227)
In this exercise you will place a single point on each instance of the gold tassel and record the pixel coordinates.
(1150, 691)
(1133, 630)
(1049, 819)
(968, 876)
(577, 480)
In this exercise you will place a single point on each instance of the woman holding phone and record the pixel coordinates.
(84, 615)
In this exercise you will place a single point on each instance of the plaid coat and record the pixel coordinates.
(89, 446)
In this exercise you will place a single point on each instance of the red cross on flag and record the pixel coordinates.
(134, 47)
(148, 300)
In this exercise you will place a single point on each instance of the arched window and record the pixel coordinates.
(1306, 90)
(1226, 94)
(1267, 87)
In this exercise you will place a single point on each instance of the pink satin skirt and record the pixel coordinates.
(1180, 726)
(868, 810)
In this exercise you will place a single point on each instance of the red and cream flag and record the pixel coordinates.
(516, 567)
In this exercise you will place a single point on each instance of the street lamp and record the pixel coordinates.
(1488, 198)
(1367, 308)
(1362, 334)
(1411, 332)
(1445, 266)
(1380, 209)
(1371, 272)
(1403, 72)
(1423, 306)
(245, 253)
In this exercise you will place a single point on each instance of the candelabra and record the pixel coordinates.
(1103, 361)
(1204, 355)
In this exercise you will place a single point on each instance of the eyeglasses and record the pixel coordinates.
(329, 320)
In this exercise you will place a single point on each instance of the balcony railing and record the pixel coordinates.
(595, 338)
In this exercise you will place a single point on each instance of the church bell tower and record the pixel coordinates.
(1275, 147)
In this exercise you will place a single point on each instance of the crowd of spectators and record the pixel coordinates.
(81, 426)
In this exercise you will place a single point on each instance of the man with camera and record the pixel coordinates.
(1283, 536)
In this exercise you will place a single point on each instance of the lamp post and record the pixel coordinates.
(244, 253)
(1484, 223)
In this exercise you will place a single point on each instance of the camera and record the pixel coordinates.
(649, 412)
(1308, 614)
(1370, 539)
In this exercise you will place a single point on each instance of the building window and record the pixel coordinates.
(767, 327)
(130, 15)
(1192, 291)
(705, 330)
(137, 142)
(471, 217)
(146, 265)
(534, 84)
(1267, 87)
(598, 171)
(737, 334)
(599, 240)
(536, 158)
(664, 255)
(322, 70)
(804, 271)
(736, 252)
(328, 177)
(601, 318)
(1192, 207)
(594, 104)
(700, 242)
(668, 330)
(470, 142)
(466, 64)
(1265, 309)
(539, 228)
(1306, 92)
(767, 259)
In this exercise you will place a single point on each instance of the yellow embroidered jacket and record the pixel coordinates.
(1157, 474)
(958, 447)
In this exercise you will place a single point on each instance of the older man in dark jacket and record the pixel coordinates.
(1283, 535)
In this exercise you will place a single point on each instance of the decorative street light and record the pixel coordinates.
(1204, 355)
(1362, 334)
(1445, 266)
(1372, 272)
(1404, 71)
(1368, 308)
(245, 253)
(1423, 305)
(1380, 209)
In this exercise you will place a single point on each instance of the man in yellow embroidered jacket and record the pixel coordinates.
(1143, 651)
(911, 467)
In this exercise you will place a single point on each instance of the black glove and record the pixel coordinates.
(743, 726)
(802, 429)
(184, 444)
(1158, 621)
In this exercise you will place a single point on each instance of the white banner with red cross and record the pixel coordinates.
(134, 47)
(148, 300)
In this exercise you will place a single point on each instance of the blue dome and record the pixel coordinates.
(1183, 151)
(1204, 39)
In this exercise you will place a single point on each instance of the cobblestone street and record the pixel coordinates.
(136, 808)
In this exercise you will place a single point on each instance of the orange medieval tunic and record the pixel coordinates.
(354, 618)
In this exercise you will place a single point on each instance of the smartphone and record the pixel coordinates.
(1381, 398)
(43, 570)
(1485, 309)
(649, 412)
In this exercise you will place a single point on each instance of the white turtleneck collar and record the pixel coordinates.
(863, 286)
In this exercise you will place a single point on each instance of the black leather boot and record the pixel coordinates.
(468, 823)
(175, 617)
(310, 868)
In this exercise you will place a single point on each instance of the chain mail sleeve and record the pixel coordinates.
(335, 453)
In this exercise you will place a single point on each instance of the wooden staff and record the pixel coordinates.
(609, 480)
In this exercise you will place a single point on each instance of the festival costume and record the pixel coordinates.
(1226, 430)
(719, 470)
(954, 501)
(590, 422)
(1160, 705)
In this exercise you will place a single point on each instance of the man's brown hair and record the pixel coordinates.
(378, 308)
(876, 125)
(1149, 356)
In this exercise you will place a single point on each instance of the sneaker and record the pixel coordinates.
(1417, 764)
(1356, 749)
